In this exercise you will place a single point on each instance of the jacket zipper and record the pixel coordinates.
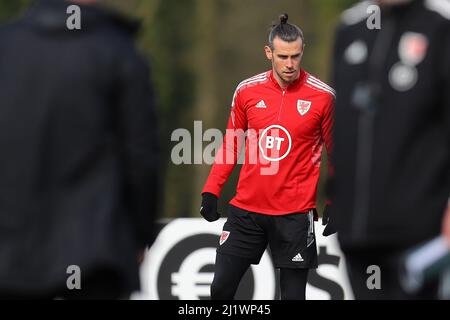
(281, 105)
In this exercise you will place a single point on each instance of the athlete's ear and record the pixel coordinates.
(269, 53)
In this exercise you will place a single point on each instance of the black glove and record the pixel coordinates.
(208, 208)
(327, 222)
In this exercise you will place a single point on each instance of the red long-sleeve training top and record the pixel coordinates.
(285, 130)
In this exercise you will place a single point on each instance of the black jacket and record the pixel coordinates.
(78, 141)
(392, 128)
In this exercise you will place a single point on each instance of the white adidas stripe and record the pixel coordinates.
(245, 83)
(250, 82)
(314, 79)
(318, 81)
(258, 76)
(321, 87)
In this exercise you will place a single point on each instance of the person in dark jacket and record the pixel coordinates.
(392, 137)
(78, 169)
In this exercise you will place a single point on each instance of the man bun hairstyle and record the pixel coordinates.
(285, 31)
(283, 18)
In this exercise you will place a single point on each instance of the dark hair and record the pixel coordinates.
(285, 31)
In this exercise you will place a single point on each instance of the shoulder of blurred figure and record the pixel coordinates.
(360, 11)
(356, 16)
(357, 13)
(52, 15)
(128, 24)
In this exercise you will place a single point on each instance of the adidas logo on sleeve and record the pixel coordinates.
(261, 104)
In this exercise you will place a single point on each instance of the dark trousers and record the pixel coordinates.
(230, 269)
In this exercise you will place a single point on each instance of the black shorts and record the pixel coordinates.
(291, 237)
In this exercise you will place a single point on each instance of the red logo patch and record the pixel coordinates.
(303, 106)
(413, 48)
(224, 237)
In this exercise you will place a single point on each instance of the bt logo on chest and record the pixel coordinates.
(275, 143)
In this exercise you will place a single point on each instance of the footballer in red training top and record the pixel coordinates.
(285, 117)
(291, 126)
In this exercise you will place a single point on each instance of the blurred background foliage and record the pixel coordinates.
(199, 51)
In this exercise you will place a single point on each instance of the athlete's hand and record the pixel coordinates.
(327, 222)
(208, 208)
